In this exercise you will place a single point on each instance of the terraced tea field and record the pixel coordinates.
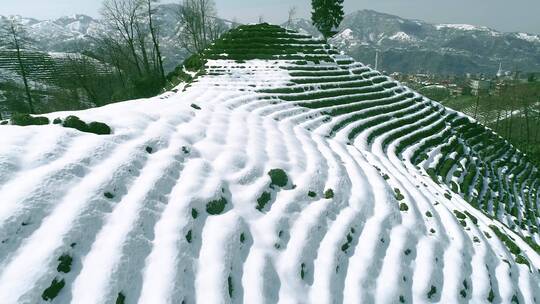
(43, 67)
(285, 172)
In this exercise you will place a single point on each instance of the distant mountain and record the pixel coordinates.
(405, 45)
(417, 46)
(77, 33)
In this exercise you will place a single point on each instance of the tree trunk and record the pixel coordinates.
(498, 120)
(155, 41)
(23, 72)
(527, 126)
(203, 8)
(537, 131)
(142, 46)
(476, 106)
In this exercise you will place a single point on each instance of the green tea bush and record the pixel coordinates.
(216, 207)
(278, 177)
(53, 290)
(65, 263)
(19, 119)
(263, 200)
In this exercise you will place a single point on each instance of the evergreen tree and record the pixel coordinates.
(326, 15)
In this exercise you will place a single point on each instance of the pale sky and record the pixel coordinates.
(504, 15)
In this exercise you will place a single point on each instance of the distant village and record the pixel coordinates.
(469, 84)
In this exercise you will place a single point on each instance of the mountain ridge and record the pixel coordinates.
(409, 45)
(406, 45)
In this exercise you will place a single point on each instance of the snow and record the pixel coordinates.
(463, 27)
(346, 34)
(345, 38)
(401, 36)
(528, 37)
(53, 179)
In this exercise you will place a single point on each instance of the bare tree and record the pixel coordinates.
(122, 17)
(15, 37)
(198, 24)
(477, 104)
(154, 32)
(88, 75)
(132, 46)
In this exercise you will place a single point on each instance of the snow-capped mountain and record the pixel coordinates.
(413, 45)
(76, 33)
(63, 34)
(405, 45)
(284, 174)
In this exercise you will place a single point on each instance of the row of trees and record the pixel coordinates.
(515, 115)
(131, 45)
(513, 112)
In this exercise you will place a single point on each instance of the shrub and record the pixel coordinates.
(230, 286)
(75, 122)
(491, 296)
(95, 127)
(459, 215)
(194, 213)
(431, 292)
(347, 244)
(472, 217)
(278, 177)
(99, 128)
(263, 200)
(328, 194)
(512, 247)
(147, 86)
(108, 195)
(53, 290)
(216, 206)
(521, 260)
(121, 298)
(65, 263)
(189, 237)
(28, 120)
(403, 207)
(398, 194)
(194, 62)
(312, 194)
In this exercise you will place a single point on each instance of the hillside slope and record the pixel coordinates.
(284, 173)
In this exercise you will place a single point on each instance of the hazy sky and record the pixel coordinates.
(504, 15)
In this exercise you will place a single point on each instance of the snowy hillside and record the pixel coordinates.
(284, 173)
